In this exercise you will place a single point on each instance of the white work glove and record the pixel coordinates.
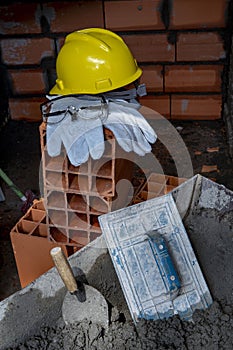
(81, 134)
(130, 128)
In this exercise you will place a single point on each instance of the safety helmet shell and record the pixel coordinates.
(94, 61)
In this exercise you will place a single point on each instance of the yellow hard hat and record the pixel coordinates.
(94, 61)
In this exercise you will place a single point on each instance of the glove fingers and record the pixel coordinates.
(78, 153)
(122, 136)
(95, 141)
(150, 136)
(53, 142)
(140, 144)
(130, 116)
(145, 127)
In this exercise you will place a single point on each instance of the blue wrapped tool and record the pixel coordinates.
(164, 263)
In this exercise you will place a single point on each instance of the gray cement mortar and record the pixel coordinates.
(206, 209)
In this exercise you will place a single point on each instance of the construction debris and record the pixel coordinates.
(209, 168)
(212, 149)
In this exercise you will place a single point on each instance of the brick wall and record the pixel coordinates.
(181, 46)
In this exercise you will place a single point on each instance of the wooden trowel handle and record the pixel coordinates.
(64, 269)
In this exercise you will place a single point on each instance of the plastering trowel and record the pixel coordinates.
(81, 302)
(154, 260)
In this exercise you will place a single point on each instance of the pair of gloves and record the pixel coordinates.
(78, 124)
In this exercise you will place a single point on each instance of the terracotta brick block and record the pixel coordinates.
(26, 51)
(31, 246)
(68, 16)
(155, 186)
(189, 78)
(200, 47)
(26, 81)
(152, 76)
(196, 107)
(160, 104)
(198, 14)
(132, 15)
(26, 109)
(150, 47)
(20, 18)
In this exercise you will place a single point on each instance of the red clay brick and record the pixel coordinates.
(196, 107)
(152, 76)
(150, 47)
(200, 47)
(26, 81)
(198, 14)
(20, 18)
(70, 16)
(132, 15)
(189, 78)
(26, 109)
(26, 51)
(160, 104)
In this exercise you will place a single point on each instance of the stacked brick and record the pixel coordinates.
(31, 246)
(181, 46)
(155, 186)
(74, 197)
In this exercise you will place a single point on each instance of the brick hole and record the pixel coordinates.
(78, 237)
(55, 163)
(105, 170)
(56, 199)
(77, 220)
(103, 186)
(35, 215)
(98, 205)
(41, 231)
(26, 226)
(78, 182)
(57, 217)
(39, 205)
(58, 235)
(55, 179)
(94, 222)
(76, 202)
(94, 235)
